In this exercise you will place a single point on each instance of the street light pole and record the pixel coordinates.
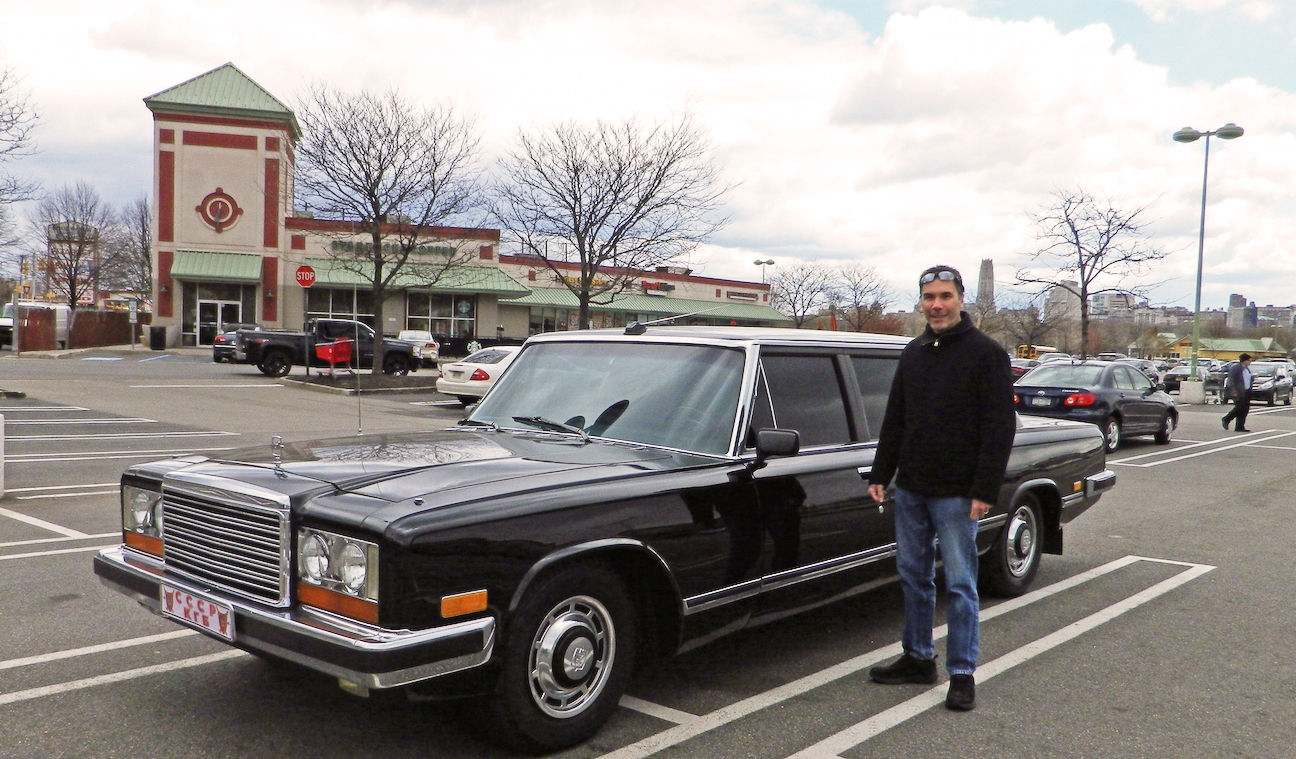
(763, 263)
(1188, 134)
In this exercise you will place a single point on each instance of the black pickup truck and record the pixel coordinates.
(275, 353)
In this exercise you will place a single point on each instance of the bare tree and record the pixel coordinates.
(801, 290)
(1090, 246)
(18, 118)
(127, 261)
(860, 296)
(609, 200)
(65, 240)
(395, 171)
(1024, 323)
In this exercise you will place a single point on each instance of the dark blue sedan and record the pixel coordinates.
(1116, 397)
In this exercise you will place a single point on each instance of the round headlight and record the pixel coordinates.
(314, 558)
(353, 567)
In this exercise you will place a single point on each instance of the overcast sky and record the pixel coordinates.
(901, 133)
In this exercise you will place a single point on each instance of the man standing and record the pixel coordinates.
(1239, 378)
(948, 430)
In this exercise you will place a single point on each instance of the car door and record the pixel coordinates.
(1126, 400)
(824, 535)
(1147, 410)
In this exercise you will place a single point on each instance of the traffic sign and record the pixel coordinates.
(305, 275)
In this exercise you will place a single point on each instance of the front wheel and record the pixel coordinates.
(1167, 429)
(1287, 400)
(396, 364)
(275, 364)
(567, 660)
(1112, 433)
(1014, 559)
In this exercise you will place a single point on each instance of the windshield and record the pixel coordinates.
(1264, 371)
(675, 396)
(8, 311)
(1069, 375)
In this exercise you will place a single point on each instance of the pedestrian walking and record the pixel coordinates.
(1239, 379)
(946, 437)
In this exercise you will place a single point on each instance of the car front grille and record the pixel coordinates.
(234, 544)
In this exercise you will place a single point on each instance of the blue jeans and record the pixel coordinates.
(919, 520)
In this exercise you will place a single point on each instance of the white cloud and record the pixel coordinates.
(928, 143)
(1256, 10)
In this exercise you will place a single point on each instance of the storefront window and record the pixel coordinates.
(340, 303)
(442, 314)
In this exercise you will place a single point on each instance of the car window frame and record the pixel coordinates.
(846, 384)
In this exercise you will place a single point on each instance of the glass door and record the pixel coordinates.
(214, 315)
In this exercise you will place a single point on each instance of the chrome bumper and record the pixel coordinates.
(356, 652)
(1099, 483)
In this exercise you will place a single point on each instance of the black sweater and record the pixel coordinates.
(949, 421)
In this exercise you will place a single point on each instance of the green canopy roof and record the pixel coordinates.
(226, 90)
(198, 266)
(457, 279)
(561, 297)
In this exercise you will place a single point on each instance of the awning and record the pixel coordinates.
(197, 266)
(657, 306)
(485, 280)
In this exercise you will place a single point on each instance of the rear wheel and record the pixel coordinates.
(568, 657)
(1112, 432)
(275, 364)
(1014, 559)
(1167, 429)
(1287, 400)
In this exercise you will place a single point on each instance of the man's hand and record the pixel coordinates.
(878, 492)
(979, 509)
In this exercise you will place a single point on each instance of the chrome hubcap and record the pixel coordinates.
(571, 657)
(1021, 541)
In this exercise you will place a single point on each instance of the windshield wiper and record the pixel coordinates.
(551, 425)
(475, 423)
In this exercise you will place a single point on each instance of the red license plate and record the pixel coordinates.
(212, 616)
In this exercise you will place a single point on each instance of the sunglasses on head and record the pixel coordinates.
(944, 275)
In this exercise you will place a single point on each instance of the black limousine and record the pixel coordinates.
(616, 497)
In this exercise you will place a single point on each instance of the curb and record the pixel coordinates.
(340, 390)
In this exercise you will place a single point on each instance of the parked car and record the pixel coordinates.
(615, 498)
(1022, 365)
(468, 380)
(1174, 376)
(275, 353)
(225, 344)
(6, 324)
(1285, 362)
(1148, 368)
(1271, 382)
(1111, 356)
(1044, 358)
(1114, 396)
(431, 348)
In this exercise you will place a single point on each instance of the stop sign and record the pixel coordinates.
(305, 275)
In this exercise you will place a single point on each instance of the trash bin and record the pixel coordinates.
(157, 338)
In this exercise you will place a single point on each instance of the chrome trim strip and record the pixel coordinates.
(830, 566)
(579, 548)
(328, 628)
(208, 486)
(1073, 499)
(721, 597)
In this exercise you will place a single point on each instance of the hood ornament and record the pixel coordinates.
(276, 449)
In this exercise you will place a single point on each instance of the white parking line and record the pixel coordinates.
(67, 495)
(9, 409)
(41, 458)
(1202, 453)
(121, 420)
(35, 541)
(60, 487)
(227, 384)
(720, 717)
(664, 713)
(155, 358)
(122, 435)
(41, 523)
(1164, 451)
(833, 746)
(27, 661)
(56, 553)
(117, 677)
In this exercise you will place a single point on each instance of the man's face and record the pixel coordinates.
(941, 304)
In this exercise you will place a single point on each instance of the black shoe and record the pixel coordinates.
(1241, 429)
(962, 693)
(1225, 420)
(906, 669)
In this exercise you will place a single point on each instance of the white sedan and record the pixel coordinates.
(468, 380)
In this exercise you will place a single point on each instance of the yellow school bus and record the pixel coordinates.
(1034, 351)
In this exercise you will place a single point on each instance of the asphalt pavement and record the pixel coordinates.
(1164, 630)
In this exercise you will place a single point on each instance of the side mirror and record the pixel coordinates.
(775, 442)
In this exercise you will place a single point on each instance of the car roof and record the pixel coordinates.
(734, 335)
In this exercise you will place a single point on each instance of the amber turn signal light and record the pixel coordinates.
(463, 603)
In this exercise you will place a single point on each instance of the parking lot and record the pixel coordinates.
(1163, 631)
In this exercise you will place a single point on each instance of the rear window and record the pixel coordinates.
(1069, 375)
(488, 356)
